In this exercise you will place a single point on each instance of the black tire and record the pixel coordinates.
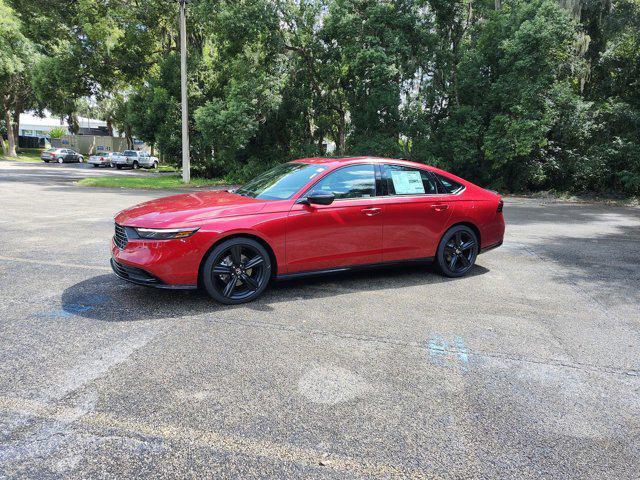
(61, 160)
(136, 165)
(119, 167)
(155, 165)
(457, 251)
(46, 161)
(242, 261)
(80, 159)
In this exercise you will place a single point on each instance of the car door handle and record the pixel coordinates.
(439, 207)
(371, 211)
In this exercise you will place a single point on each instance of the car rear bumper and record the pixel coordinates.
(491, 247)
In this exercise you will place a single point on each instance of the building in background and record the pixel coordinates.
(32, 125)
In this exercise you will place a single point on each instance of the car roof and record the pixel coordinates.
(335, 161)
(338, 161)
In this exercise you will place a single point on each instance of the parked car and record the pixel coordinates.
(104, 159)
(135, 159)
(61, 155)
(305, 217)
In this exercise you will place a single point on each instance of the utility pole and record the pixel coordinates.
(186, 161)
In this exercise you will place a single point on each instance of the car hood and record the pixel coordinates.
(188, 210)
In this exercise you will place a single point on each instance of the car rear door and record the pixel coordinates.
(415, 213)
(344, 233)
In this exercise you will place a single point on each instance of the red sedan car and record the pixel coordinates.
(304, 217)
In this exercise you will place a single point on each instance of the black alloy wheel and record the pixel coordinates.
(237, 271)
(457, 251)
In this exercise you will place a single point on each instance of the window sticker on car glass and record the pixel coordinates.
(406, 182)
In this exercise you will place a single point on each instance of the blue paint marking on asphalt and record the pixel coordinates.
(437, 348)
(463, 352)
(86, 304)
(75, 308)
(67, 310)
(442, 353)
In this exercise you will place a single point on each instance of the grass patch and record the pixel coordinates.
(27, 155)
(148, 181)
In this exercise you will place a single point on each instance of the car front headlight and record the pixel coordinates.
(165, 233)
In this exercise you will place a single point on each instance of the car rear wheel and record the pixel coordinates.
(60, 160)
(136, 165)
(457, 251)
(236, 271)
(46, 161)
(119, 167)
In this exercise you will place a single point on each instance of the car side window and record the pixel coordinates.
(403, 180)
(450, 186)
(355, 181)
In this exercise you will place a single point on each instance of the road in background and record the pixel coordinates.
(527, 368)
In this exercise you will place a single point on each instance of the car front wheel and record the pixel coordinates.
(60, 160)
(236, 271)
(457, 251)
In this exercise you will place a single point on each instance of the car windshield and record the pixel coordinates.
(281, 182)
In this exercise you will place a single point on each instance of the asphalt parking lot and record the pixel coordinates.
(527, 368)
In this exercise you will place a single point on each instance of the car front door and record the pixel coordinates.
(346, 232)
(71, 156)
(415, 213)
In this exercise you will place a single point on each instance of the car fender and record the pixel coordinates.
(268, 229)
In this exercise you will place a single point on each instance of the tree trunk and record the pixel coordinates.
(109, 127)
(342, 135)
(16, 126)
(11, 151)
(127, 135)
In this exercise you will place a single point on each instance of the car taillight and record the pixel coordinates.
(500, 205)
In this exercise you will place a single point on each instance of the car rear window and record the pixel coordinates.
(450, 186)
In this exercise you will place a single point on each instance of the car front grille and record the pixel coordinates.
(120, 237)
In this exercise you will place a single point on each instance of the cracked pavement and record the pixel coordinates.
(527, 368)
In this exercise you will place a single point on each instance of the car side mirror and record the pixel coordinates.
(320, 198)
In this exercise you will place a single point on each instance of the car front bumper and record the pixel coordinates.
(139, 276)
(162, 263)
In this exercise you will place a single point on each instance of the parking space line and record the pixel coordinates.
(55, 264)
(236, 444)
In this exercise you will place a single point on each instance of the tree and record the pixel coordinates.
(16, 56)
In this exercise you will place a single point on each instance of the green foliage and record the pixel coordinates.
(57, 132)
(518, 95)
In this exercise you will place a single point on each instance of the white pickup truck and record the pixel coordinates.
(135, 159)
